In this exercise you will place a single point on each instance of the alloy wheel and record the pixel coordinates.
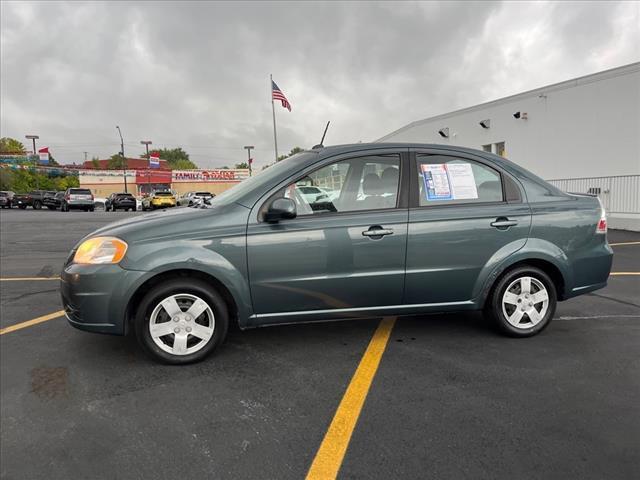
(182, 324)
(525, 302)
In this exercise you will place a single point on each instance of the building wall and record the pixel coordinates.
(213, 187)
(587, 127)
(105, 182)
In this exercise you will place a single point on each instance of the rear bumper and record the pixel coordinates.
(95, 297)
(590, 271)
(80, 203)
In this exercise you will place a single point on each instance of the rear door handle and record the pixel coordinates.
(377, 232)
(503, 222)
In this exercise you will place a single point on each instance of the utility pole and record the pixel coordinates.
(34, 138)
(146, 143)
(124, 159)
(85, 156)
(248, 148)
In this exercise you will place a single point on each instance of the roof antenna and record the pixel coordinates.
(320, 145)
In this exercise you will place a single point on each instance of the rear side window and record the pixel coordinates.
(445, 180)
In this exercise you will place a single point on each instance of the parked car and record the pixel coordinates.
(78, 199)
(99, 202)
(120, 201)
(190, 198)
(466, 230)
(32, 199)
(53, 200)
(6, 199)
(158, 200)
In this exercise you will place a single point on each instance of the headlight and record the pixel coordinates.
(100, 250)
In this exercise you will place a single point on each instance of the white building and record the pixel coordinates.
(582, 134)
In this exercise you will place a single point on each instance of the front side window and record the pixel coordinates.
(446, 180)
(355, 184)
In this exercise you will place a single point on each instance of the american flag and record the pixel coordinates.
(277, 94)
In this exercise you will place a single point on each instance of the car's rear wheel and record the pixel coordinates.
(37, 205)
(523, 302)
(181, 321)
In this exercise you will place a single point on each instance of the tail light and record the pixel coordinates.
(92, 198)
(67, 197)
(602, 223)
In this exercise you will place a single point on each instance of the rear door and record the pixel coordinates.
(337, 257)
(466, 215)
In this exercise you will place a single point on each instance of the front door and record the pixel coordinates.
(344, 253)
(466, 216)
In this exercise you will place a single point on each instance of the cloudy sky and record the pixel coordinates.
(196, 74)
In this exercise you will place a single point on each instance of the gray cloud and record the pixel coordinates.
(195, 74)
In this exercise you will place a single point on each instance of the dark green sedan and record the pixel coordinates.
(399, 229)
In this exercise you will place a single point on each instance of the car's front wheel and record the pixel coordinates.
(523, 302)
(181, 321)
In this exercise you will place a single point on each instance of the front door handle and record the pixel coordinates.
(504, 223)
(377, 232)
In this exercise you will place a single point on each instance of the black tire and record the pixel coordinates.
(495, 304)
(133, 209)
(22, 207)
(51, 207)
(37, 205)
(180, 285)
(91, 209)
(63, 207)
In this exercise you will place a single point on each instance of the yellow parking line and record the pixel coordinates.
(623, 243)
(624, 273)
(328, 459)
(27, 279)
(29, 323)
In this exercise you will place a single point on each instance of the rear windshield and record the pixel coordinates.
(164, 194)
(123, 195)
(203, 194)
(80, 191)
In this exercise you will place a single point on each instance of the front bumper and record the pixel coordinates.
(95, 297)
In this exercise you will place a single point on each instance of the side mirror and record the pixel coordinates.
(280, 209)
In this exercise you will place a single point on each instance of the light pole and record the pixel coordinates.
(34, 138)
(146, 143)
(124, 160)
(248, 148)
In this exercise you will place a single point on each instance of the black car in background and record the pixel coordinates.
(6, 199)
(53, 200)
(33, 199)
(120, 201)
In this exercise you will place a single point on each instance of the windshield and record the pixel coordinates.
(265, 177)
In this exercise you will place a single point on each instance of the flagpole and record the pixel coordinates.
(273, 111)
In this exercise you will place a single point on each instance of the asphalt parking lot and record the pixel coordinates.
(450, 399)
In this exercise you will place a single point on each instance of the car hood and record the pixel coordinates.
(177, 223)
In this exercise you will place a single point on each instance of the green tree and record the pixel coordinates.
(242, 165)
(177, 158)
(293, 151)
(116, 162)
(11, 145)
